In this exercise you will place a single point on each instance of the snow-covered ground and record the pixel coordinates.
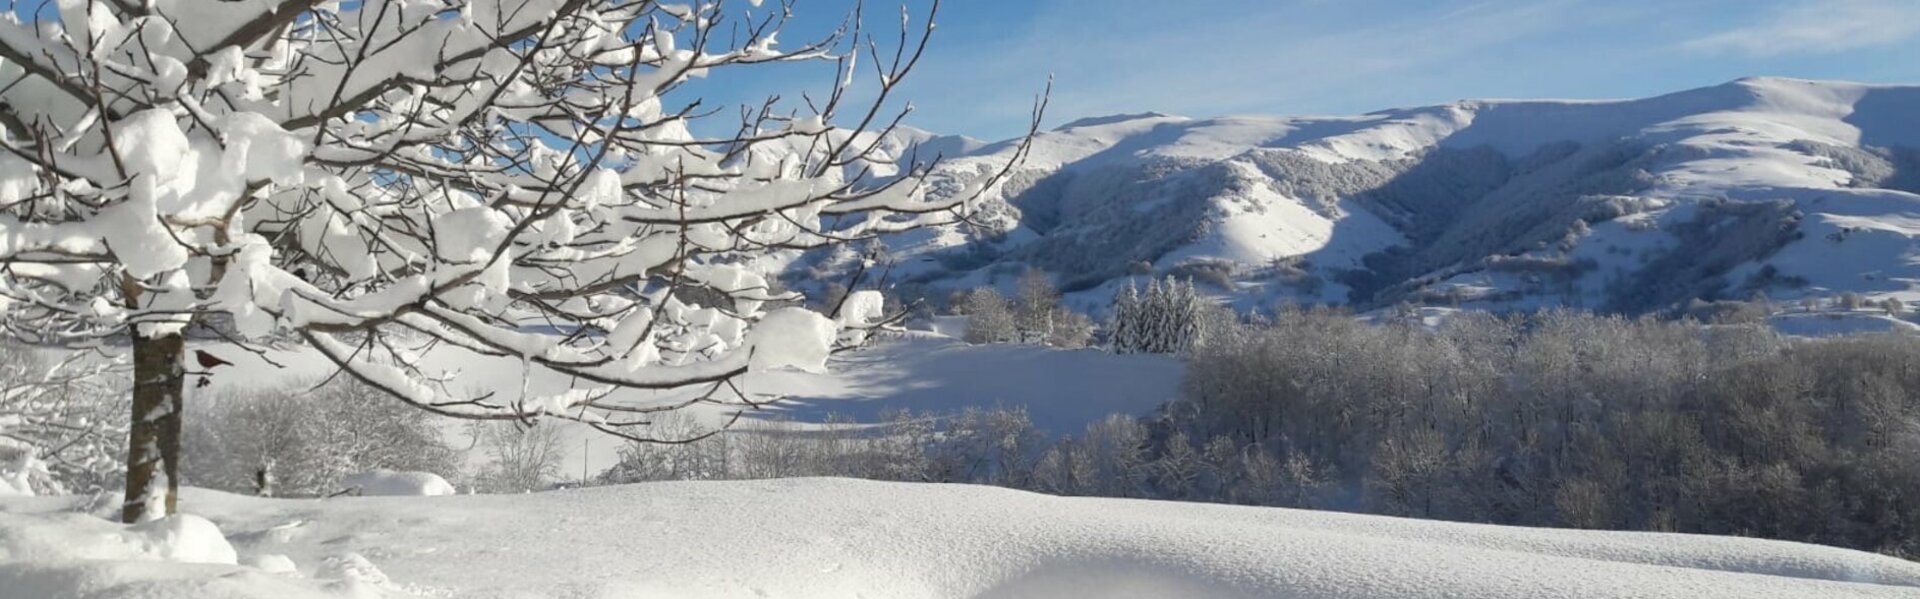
(928, 372)
(802, 538)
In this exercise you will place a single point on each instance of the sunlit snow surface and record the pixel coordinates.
(822, 538)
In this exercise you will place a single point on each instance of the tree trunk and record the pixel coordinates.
(153, 443)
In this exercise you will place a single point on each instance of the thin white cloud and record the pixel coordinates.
(1819, 27)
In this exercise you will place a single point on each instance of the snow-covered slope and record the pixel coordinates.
(803, 538)
(1785, 187)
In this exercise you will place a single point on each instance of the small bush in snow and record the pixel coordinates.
(1218, 273)
(1852, 301)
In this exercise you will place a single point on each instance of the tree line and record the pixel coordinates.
(1559, 419)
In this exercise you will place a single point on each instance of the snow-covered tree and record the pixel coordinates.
(389, 180)
(1169, 317)
(304, 437)
(1122, 326)
(1035, 305)
(61, 428)
(989, 318)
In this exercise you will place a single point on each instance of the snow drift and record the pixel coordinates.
(388, 482)
(845, 538)
(75, 556)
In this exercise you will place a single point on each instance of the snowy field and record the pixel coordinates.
(836, 538)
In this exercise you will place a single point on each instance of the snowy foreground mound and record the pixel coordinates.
(844, 538)
(388, 482)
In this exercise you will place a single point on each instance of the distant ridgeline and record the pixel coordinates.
(1785, 189)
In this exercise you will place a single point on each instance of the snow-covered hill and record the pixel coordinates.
(1785, 187)
(802, 538)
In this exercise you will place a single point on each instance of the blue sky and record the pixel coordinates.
(1214, 57)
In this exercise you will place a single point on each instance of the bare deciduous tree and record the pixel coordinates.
(522, 459)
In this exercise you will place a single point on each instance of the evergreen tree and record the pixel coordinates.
(1124, 322)
(1169, 318)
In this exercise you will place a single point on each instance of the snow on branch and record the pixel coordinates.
(393, 179)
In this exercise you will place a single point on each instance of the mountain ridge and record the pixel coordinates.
(1634, 205)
